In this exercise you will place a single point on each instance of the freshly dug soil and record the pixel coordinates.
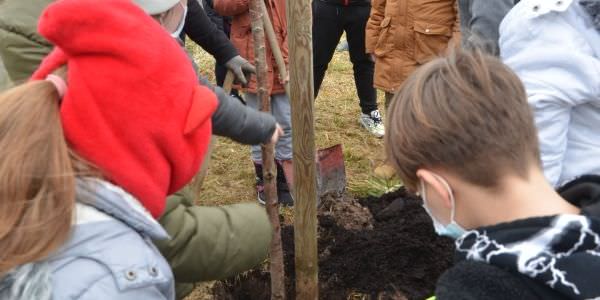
(384, 248)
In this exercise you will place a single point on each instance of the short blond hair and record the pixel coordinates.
(466, 113)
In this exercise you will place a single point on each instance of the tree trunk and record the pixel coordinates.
(269, 170)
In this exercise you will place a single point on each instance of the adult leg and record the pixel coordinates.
(327, 30)
(355, 23)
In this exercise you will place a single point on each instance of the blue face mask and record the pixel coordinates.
(452, 230)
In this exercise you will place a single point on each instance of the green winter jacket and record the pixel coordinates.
(207, 243)
(4, 81)
(212, 243)
(22, 48)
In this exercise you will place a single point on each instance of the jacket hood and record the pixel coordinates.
(98, 202)
(117, 203)
(557, 251)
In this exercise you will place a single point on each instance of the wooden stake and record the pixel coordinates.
(274, 45)
(299, 14)
(228, 82)
(269, 170)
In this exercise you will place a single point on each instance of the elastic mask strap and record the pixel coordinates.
(449, 189)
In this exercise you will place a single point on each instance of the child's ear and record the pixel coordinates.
(435, 185)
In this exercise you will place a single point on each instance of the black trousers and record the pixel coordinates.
(329, 22)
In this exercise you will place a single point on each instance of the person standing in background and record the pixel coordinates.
(403, 35)
(331, 18)
(224, 25)
(241, 37)
(554, 47)
(480, 22)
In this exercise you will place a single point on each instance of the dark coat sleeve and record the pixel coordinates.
(238, 122)
(213, 15)
(483, 25)
(471, 280)
(205, 33)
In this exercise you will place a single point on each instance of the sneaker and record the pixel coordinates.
(373, 123)
(260, 184)
(283, 190)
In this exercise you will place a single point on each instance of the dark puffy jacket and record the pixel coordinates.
(223, 23)
(199, 28)
(480, 22)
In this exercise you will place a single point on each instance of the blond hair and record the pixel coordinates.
(37, 175)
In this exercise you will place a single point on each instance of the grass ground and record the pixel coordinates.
(231, 174)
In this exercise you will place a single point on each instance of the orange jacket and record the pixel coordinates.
(403, 34)
(241, 36)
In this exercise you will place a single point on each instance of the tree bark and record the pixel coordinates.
(299, 14)
(269, 170)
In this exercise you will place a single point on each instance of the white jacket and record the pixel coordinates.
(555, 50)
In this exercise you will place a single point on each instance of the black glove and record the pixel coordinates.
(240, 68)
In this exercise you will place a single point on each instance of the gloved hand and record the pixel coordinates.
(240, 68)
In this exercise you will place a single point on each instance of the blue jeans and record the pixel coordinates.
(280, 108)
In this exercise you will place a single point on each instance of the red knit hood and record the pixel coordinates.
(133, 106)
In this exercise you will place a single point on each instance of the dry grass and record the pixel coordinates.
(231, 175)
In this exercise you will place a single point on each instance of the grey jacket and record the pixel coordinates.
(480, 22)
(108, 256)
(234, 120)
(238, 122)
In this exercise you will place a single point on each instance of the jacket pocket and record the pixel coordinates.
(385, 41)
(430, 40)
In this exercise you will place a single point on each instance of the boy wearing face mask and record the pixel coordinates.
(462, 135)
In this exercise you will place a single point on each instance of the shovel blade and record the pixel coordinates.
(331, 177)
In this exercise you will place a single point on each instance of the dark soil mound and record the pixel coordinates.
(382, 247)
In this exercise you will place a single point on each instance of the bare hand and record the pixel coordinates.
(278, 133)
